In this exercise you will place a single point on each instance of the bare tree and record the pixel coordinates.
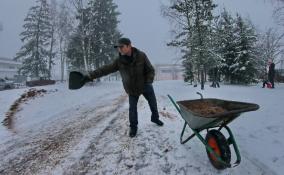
(279, 17)
(278, 14)
(64, 29)
(270, 47)
(53, 18)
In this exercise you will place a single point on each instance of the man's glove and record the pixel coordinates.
(86, 79)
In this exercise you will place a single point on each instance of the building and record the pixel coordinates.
(169, 72)
(9, 68)
(162, 72)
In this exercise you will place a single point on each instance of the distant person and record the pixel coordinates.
(137, 75)
(271, 74)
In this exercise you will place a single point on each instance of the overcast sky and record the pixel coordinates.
(141, 21)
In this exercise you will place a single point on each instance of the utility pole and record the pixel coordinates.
(281, 66)
(1, 27)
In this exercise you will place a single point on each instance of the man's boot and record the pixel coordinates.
(157, 121)
(132, 131)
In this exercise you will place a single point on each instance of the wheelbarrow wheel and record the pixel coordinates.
(217, 141)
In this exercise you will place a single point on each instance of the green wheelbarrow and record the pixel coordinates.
(216, 144)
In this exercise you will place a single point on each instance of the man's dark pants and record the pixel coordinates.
(149, 95)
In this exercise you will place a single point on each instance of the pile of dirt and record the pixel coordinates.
(205, 108)
(30, 94)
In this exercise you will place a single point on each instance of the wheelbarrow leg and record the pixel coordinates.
(184, 126)
(186, 140)
(231, 140)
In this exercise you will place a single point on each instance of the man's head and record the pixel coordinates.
(124, 46)
(269, 61)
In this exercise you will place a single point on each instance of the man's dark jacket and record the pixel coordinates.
(134, 73)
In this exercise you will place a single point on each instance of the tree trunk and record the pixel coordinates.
(84, 54)
(50, 53)
(61, 60)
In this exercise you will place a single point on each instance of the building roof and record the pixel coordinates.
(169, 66)
(9, 61)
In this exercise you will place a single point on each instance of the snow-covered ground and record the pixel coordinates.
(86, 132)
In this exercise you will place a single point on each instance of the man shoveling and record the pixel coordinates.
(137, 75)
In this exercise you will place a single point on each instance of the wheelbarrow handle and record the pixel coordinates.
(201, 96)
(174, 103)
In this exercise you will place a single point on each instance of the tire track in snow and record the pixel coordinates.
(264, 168)
(99, 142)
(111, 151)
(48, 149)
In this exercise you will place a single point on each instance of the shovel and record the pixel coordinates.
(76, 80)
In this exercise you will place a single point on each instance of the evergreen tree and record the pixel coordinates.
(193, 18)
(188, 69)
(244, 69)
(103, 31)
(226, 44)
(36, 37)
(80, 35)
(236, 44)
(97, 31)
(75, 53)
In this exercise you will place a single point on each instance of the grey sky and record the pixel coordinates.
(12, 14)
(141, 21)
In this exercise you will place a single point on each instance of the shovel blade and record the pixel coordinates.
(75, 80)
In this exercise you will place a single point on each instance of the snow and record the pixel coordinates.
(86, 131)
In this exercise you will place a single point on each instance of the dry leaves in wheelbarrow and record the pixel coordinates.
(205, 108)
